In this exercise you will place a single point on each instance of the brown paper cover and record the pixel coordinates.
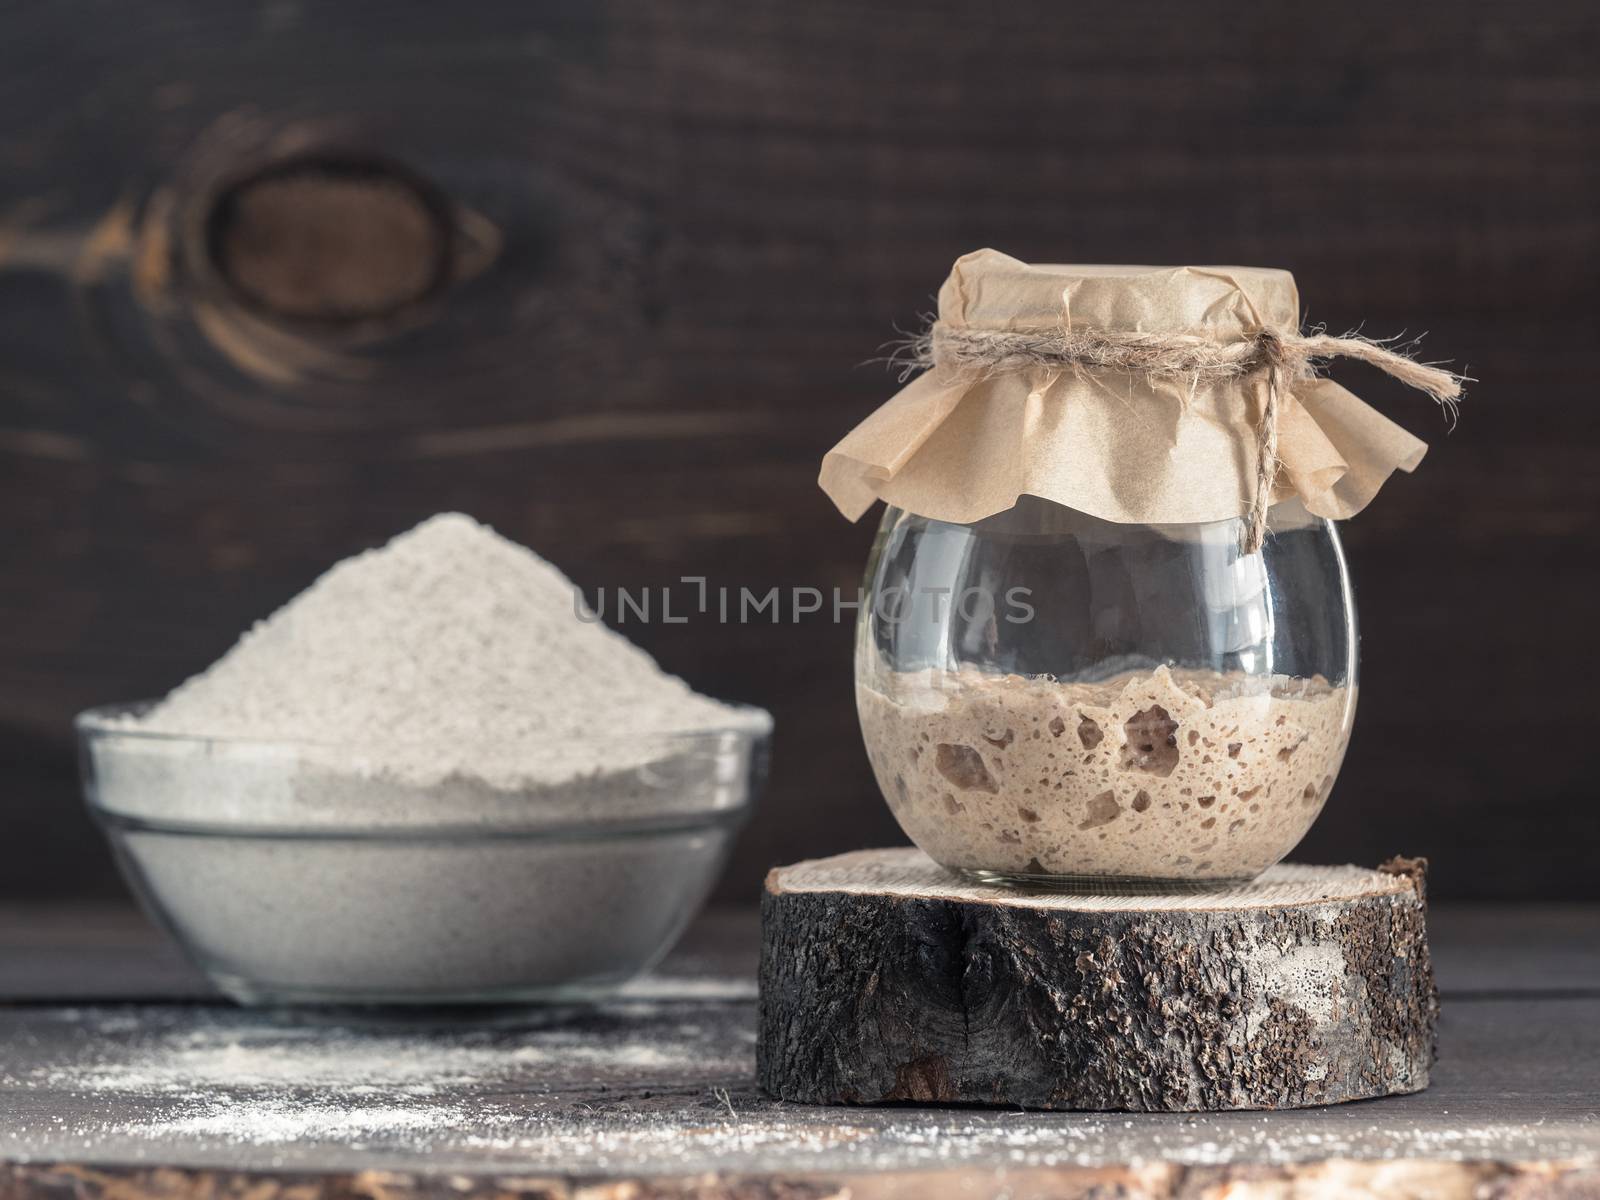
(958, 445)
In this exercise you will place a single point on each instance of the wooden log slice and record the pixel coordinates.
(886, 978)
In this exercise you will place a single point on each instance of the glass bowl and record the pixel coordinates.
(1053, 700)
(314, 873)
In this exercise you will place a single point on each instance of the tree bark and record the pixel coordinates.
(885, 978)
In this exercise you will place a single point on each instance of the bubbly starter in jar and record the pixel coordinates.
(1171, 773)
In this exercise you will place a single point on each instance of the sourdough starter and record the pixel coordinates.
(1166, 774)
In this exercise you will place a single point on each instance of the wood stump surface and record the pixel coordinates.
(886, 978)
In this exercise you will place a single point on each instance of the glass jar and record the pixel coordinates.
(1049, 699)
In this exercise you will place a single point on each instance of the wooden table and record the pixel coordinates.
(122, 1076)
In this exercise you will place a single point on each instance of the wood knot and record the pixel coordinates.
(331, 240)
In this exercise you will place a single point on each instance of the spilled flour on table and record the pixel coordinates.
(242, 1053)
(639, 1088)
(282, 1122)
(221, 1078)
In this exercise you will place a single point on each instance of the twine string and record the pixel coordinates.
(1281, 358)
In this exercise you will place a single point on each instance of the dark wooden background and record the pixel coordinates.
(279, 279)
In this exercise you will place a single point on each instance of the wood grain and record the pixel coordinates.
(675, 233)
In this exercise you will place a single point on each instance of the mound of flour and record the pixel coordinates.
(413, 776)
(450, 652)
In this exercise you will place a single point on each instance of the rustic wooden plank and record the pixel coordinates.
(69, 953)
(1504, 949)
(645, 1088)
(662, 1084)
(691, 223)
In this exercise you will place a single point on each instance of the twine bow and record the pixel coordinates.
(1284, 358)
